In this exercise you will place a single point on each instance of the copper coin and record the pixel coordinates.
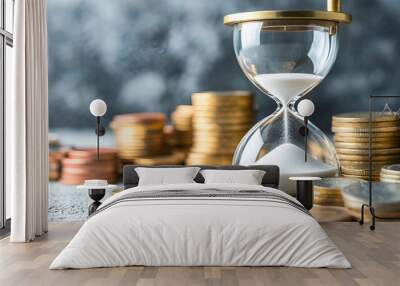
(91, 153)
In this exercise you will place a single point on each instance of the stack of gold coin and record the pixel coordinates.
(139, 135)
(170, 137)
(55, 158)
(328, 196)
(220, 119)
(352, 135)
(391, 173)
(175, 158)
(82, 164)
(182, 122)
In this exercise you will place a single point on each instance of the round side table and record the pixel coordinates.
(305, 192)
(96, 193)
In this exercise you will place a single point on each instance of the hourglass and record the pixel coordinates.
(286, 54)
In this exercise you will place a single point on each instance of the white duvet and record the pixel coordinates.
(200, 231)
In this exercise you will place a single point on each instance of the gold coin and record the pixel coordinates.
(366, 125)
(332, 197)
(132, 139)
(208, 161)
(184, 109)
(221, 128)
(374, 178)
(225, 106)
(174, 158)
(222, 96)
(137, 128)
(177, 118)
(213, 134)
(393, 169)
(347, 151)
(375, 158)
(364, 145)
(215, 144)
(365, 164)
(182, 125)
(141, 150)
(359, 172)
(364, 117)
(318, 200)
(229, 111)
(213, 151)
(374, 139)
(365, 136)
(223, 122)
(208, 156)
(140, 118)
(139, 145)
(326, 190)
(390, 181)
(333, 204)
(187, 129)
(365, 130)
(390, 177)
(210, 116)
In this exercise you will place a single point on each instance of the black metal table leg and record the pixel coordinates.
(305, 193)
(373, 216)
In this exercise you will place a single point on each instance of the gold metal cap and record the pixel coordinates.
(328, 16)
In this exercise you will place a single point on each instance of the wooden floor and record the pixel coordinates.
(375, 257)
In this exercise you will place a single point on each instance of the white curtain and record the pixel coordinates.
(27, 123)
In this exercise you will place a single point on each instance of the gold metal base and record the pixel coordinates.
(327, 16)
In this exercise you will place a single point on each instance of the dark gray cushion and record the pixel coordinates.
(270, 179)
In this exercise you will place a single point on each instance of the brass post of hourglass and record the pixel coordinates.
(333, 5)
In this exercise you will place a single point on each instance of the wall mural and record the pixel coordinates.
(151, 55)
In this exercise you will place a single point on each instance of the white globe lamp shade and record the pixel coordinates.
(98, 107)
(305, 107)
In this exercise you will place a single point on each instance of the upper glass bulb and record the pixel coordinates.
(285, 59)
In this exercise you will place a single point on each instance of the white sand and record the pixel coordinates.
(290, 160)
(285, 86)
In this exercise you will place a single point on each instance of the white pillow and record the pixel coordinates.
(166, 176)
(248, 177)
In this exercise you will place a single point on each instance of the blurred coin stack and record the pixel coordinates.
(182, 123)
(328, 196)
(82, 164)
(139, 135)
(391, 174)
(55, 156)
(220, 120)
(55, 159)
(352, 135)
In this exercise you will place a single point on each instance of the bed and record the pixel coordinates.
(198, 224)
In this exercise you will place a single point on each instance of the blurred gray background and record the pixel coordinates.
(150, 55)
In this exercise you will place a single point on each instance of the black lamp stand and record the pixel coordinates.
(100, 131)
(304, 132)
(97, 194)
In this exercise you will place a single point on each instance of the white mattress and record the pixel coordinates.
(200, 231)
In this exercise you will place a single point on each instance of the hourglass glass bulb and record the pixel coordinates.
(305, 107)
